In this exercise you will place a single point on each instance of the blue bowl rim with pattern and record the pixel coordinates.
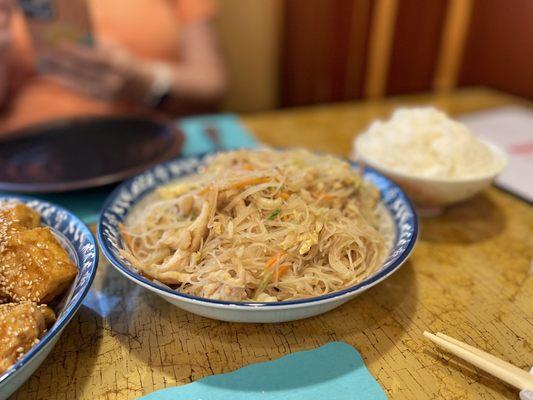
(71, 307)
(138, 278)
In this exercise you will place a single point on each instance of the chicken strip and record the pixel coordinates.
(186, 242)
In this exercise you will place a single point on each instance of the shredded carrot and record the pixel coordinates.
(248, 182)
(273, 260)
(204, 191)
(248, 167)
(281, 271)
(322, 196)
(268, 274)
(284, 195)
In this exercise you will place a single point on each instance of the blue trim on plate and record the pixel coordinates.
(75, 228)
(155, 176)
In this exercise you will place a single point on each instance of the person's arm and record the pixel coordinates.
(195, 83)
(200, 80)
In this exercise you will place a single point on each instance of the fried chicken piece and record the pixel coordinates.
(16, 217)
(21, 327)
(183, 245)
(34, 267)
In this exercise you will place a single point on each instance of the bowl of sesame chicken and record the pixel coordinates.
(48, 259)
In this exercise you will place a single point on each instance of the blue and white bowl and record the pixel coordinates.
(79, 242)
(128, 194)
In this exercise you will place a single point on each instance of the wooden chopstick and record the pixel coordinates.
(481, 353)
(487, 362)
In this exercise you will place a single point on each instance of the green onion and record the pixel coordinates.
(274, 214)
(263, 284)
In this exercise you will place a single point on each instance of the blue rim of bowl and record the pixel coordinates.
(71, 309)
(247, 304)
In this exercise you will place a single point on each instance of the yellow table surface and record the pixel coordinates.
(469, 277)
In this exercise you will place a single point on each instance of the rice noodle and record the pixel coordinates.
(260, 226)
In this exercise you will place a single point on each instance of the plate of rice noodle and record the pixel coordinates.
(258, 235)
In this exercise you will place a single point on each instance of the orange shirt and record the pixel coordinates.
(149, 29)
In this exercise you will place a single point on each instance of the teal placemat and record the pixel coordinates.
(335, 371)
(232, 134)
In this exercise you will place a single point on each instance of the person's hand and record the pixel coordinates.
(103, 72)
(6, 9)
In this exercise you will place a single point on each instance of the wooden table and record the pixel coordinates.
(469, 276)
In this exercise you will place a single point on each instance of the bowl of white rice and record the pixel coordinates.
(435, 159)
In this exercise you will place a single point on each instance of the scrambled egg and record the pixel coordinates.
(173, 190)
(196, 257)
(308, 240)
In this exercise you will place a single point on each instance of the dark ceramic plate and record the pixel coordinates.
(83, 153)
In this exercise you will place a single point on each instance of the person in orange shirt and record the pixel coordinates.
(148, 54)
